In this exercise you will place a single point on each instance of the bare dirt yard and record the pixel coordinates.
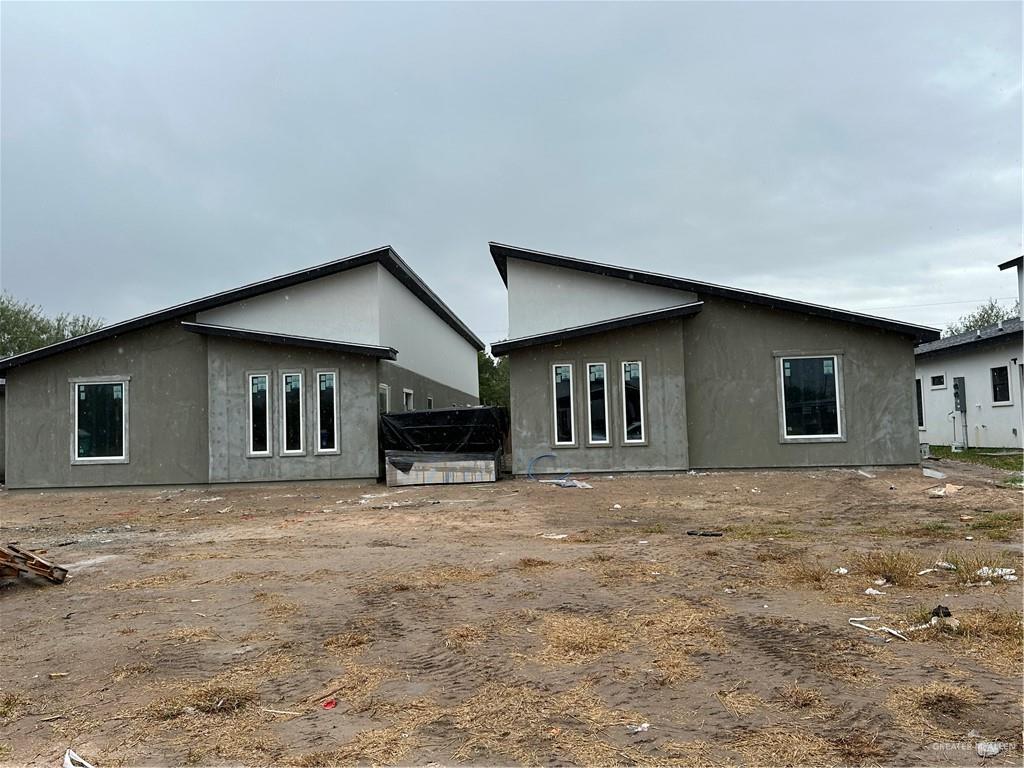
(519, 623)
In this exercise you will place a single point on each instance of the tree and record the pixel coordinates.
(987, 314)
(24, 327)
(494, 386)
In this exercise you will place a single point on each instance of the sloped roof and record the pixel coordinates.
(501, 253)
(385, 256)
(1016, 262)
(990, 335)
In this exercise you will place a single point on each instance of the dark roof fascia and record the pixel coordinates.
(384, 255)
(1012, 263)
(206, 329)
(502, 348)
(500, 253)
(972, 343)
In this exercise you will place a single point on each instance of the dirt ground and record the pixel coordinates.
(518, 623)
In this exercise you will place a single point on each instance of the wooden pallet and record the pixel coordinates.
(15, 561)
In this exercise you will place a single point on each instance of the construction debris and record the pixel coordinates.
(933, 473)
(948, 490)
(72, 760)
(15, 561)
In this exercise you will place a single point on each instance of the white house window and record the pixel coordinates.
(938, 381)
(408, 400)
(383, 398)
(101, 421)
(292, 428)
(633, 402)
(1000, 384)
(597, 403)
(259, 414)
(430, 403)
(327, 412)
(810, 393)
(920, 403)
(565, 417)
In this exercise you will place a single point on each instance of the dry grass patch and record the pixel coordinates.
(783, 745)
(356, 686)
(159, 580)
(968, 563)
(462, 636)
(612, 570)
(925, 708)
(528, 563)
(673, 634)
(432, 577)
(692, 754)
(210, 698)
(185, 635)
(812, 573)
(346, 641)
(276, 606)
(995, 637)
(125, 671)
(12, 704)
(739, 703)
(792, 696)
(577, 639)
(895, 566)
(858, 748)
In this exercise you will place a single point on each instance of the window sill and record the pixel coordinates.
(332, 452)
(89, 462)
(1002, 405)
(812, 439)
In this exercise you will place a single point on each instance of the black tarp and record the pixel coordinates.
(483, 429)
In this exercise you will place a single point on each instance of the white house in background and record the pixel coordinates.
(969, 387)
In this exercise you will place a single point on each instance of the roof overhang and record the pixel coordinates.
(626, 321)
(970, 342)
(501, 253)
(206, 329)
(1012, 263)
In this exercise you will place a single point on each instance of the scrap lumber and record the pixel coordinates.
(18, 561)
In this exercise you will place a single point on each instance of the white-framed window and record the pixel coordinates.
(810, 394)
(383, 398)
(633, 428)
(597, 404)
(564, 404)
(327, 412)
(919, 396)
(430, 403)
(1000, 378)
(937, 381)
(259, 414)
(293, 434)
(408, 400)
(99, 408)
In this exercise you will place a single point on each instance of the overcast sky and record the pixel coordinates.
(866, 156)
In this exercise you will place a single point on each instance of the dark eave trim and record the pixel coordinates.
(384, 353)
(627, 321)
(500, 253)
(1012, 263)
(385, 256)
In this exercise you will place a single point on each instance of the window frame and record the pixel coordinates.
(992, 386)
(74, 383)
(643, 402)
(943, 385)
(386, 389)
(430, 402)
(922, 419)
(249, 452)
(607, 415)
(411, 404)
(572, 407)
(317, 373)
(837, 374)
(301, 451)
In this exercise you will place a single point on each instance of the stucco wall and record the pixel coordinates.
(544, 298)
(229, 362)
(426, 344)
(732, 389)
(988, 425)
(658, 345)
(399, 378)
(166, 412)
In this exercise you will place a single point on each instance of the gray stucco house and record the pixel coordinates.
(614, 369)
(278, 380)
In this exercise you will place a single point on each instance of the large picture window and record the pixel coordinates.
(633, 402)
(327, 412)
(810, 394)
(101, 421)
(597, 403)
(565, 419)
(292, 428)
(1000, 385)
(259, 414)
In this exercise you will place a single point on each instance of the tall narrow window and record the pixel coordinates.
(383, 398)
(810, 390)
(565, 419)
(920, 404)
(430, 403)
(259, 415)
(633, 402)
(291, 413)
(327, 412)
(1001, 384)
(597, 403)
(100, 423)
(407, 400)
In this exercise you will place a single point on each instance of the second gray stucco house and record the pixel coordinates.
(278, 380)
(614, 369)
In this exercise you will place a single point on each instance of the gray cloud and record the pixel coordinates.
(861, 155)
